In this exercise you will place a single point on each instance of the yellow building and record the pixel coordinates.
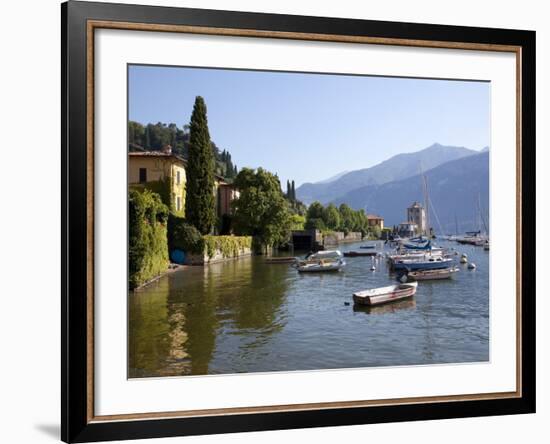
(163, 172)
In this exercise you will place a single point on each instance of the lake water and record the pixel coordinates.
(248, 316)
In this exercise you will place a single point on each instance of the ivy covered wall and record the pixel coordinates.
(147, 237)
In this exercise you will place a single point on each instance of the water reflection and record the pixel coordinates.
(249, 316)
(174, 324)
(409, 304)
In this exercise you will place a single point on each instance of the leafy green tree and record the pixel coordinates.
(346, 218)
(332, 217)
(261, 210)
(200, 208)
(315, 211)
(297, 222)
(315, 224)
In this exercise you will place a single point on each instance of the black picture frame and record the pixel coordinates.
(76, 424)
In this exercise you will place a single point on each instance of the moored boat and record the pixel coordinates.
(422, 264)
(322, 265)
(360, 253)
(383, 295)
(280, 260)
(327, 260)
(424, 275)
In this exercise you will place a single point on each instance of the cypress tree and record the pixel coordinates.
(200, 203)
(293, 191)
(288, 195)
(147, 138)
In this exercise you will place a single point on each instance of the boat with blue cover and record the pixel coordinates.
(412, 264)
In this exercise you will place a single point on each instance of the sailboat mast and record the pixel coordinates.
(480, 213)
(426, 204)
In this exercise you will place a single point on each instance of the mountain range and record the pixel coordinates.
(458, 184)
(397, 167)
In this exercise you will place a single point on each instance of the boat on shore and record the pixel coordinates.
(425, 275)
(382, 295)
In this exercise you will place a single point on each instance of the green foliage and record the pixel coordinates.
(183, 236)
(229, 246)
(375, 232)
(147, 237)
(200, 202)
(297, 207)
(343, 218)
(332, 217)
(161, 187)
(261, 210)
(154, 136)
(315, 211)
(297, 222)
(315, 223)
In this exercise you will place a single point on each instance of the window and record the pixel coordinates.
(142, 175)
(178, 177)
(178, 203)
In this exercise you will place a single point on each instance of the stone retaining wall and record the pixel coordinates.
(338, 237)
(218, 256)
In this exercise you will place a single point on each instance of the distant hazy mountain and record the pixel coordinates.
(333, 178)
(397, 167)
(454, 189)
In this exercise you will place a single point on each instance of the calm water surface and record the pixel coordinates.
(247, 316)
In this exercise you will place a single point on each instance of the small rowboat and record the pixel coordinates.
(280, 260)
(359, 253)
(383, 295)
(425, 275)
(367, 246)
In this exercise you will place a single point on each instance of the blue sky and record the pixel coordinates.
(309, 127)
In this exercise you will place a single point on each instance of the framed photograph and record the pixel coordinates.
(275, 221)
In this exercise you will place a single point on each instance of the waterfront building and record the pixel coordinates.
(161, 171)
(225, 194)
(164, 173)
(417, 215)
(375, 221)
(407, 229)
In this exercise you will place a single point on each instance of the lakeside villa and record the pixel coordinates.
(155, 169)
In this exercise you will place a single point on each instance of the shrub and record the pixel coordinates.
(184, 236)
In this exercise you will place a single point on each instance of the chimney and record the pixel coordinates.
(167, 149)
